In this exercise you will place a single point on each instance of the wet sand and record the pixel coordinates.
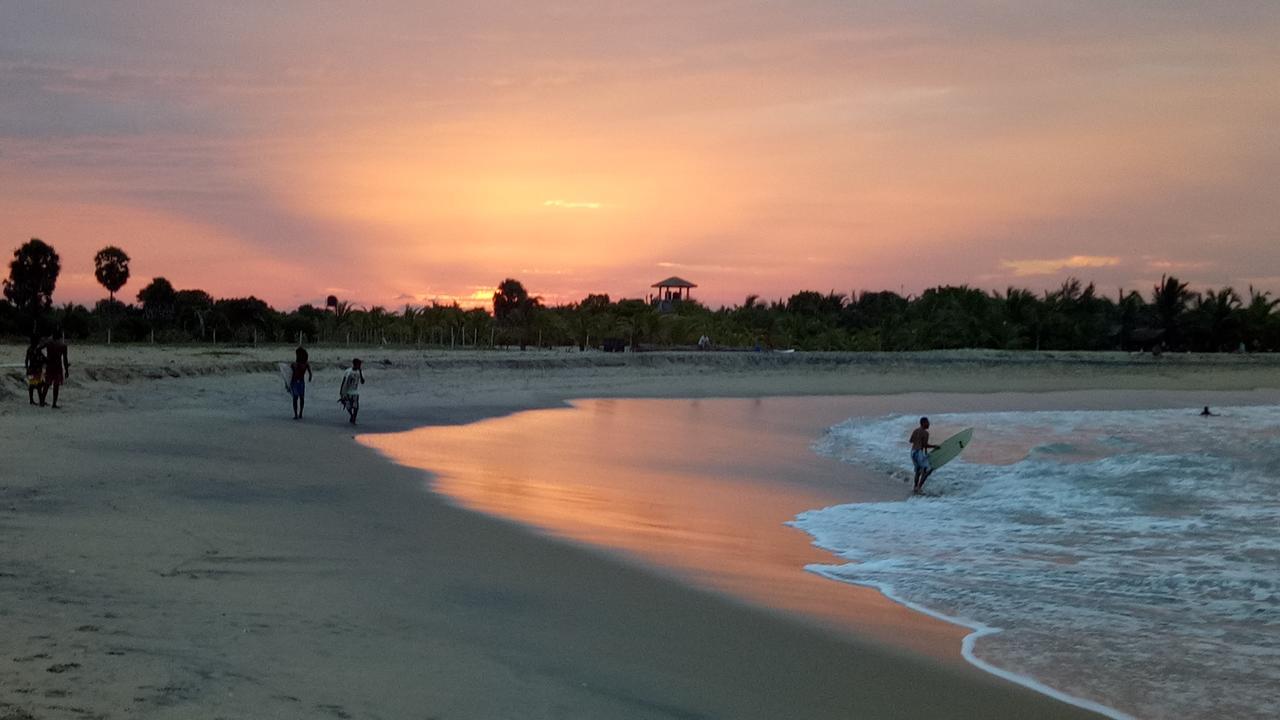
(700, 488)
(175, 546)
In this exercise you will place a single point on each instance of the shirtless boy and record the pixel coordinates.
(920, 448)
(57, 366)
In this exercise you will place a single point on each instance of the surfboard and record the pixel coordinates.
(286, 374)
(950, 448)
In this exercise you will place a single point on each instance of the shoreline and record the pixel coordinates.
(187, 549)
(437, 453)
(977, 631)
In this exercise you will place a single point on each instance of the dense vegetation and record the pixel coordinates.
(1073, 317)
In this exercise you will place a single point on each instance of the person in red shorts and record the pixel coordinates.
(57, 367)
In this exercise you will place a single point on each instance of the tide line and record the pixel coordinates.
(980, 630)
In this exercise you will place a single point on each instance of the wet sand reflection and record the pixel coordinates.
(701, 488)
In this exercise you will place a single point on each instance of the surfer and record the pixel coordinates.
(349, 392)
(300, 375)
(920, 448)
(1205, 412)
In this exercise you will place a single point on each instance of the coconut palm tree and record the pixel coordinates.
(1258, 319)
(1216, 319)
(514, 308)
(1169, 301)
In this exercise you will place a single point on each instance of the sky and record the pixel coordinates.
(411, 152)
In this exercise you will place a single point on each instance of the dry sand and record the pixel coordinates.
(172, 545)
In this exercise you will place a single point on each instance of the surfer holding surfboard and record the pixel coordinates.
(925, 461)
(920, 448)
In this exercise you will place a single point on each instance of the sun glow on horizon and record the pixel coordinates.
(572, 205)
(834, 145)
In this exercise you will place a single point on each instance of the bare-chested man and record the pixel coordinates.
(57, 367)
(920, 448)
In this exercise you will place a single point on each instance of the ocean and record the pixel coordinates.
(1123, 559)
(1129, 558)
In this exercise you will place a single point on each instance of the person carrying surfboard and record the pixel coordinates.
(299, 376)
(349, 391)
(920, 448)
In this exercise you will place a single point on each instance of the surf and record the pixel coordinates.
(1128, 558)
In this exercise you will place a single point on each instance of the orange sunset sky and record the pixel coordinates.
(394, 152)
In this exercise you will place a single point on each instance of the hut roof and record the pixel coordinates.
(674, 281)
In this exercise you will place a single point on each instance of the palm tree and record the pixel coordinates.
(1129, 314)
(1169, 300)
(111, 268)
(1022, 309)
(1217, 319)
(513, 308)
(1257, 317)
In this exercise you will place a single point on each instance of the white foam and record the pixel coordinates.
(1131, 558)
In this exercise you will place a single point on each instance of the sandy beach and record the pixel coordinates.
(175, 546)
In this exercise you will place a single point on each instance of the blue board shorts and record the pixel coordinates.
(920, 459)
(298, 389)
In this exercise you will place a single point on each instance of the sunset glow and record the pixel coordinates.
(416, 152)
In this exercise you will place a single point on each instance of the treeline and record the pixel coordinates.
(1075, 316)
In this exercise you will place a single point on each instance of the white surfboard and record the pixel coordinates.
(286, 374)
(950, 448)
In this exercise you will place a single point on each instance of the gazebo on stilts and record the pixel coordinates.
(671, 292)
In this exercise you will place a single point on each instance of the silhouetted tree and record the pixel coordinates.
(514, 309)
(1075, 317)
(33, 274)
(1130, 321)
(242, 317)
(508, 299)
(111, 268)
(952, 317)
(1215, 320)
(1023, 319)
(158, 299)
(191, 308)
(1260, 323)
(1169, 303)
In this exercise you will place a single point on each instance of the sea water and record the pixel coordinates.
(1125, 558)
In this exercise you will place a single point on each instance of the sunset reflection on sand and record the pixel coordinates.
(701, 488)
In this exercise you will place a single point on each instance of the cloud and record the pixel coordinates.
(825, 143)
(1025, 268)
(573, 205)
(1181, 265)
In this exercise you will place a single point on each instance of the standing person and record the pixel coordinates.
(349, 393)
(920, 448)
(34, 364)
(57, 367)
(298, 379)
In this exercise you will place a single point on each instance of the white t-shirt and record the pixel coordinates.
(350, 382)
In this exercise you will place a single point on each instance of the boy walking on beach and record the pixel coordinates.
(299, 377)
(349, 392)
(920, 448)
(34, 364)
